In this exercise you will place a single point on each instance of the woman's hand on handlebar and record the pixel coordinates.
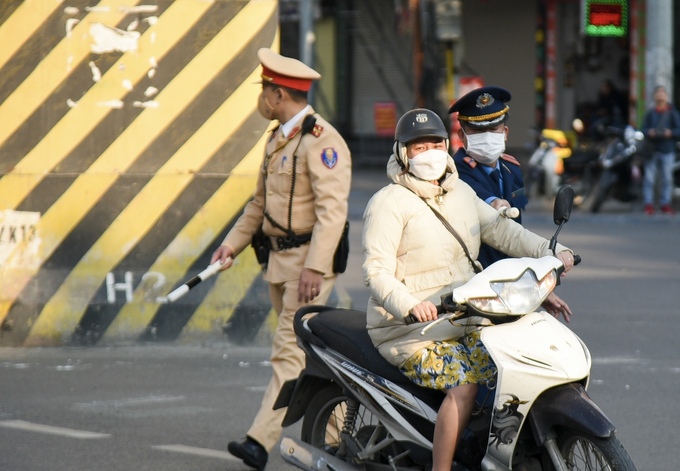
(424, 311)
(568, 259)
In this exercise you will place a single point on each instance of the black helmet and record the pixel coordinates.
(415, 124)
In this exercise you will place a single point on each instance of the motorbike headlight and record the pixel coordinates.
(519, 296)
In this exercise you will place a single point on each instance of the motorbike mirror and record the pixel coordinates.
(564, 201)
(578, 126)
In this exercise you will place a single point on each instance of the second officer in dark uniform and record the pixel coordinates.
(482, 162)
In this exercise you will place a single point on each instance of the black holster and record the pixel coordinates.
(342, 251)
(262, 247)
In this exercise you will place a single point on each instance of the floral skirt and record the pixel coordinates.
(445, 365)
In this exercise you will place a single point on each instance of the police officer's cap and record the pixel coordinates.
(482, 107)
(285, 71)
(417, 123)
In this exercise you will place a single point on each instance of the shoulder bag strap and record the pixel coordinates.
(453, 232)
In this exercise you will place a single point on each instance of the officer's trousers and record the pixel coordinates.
(287, 360)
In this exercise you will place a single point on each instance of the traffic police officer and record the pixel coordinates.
(483, 164)
(495, 176)
(300, 206)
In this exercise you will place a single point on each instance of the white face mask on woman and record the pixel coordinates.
(429, 165)
(485, 147)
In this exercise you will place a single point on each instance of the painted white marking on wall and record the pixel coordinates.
(111, 287)
(127, 84)
(116, 104)
(146, 104)
(64, 432)
(70, 24)
(152, 20)
(96, 73)
(140, 9)
(106, 39)
(133, 25)
(103, 9)
(71, 10)
(150, 91)
(192, 450)
(71, 103)
(19, 238)
(152, 285)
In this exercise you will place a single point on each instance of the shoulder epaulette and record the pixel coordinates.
(510, 158)
(317, 130)
(470, 161)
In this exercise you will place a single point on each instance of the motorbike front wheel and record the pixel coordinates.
(584, 452)
(342, 427)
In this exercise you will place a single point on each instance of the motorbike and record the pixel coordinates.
(620, 168)
(359, 412)
(556, 162)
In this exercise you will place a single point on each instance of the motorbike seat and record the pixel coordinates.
(344, 330)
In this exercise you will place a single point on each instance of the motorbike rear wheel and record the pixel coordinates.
(584, 452)
(329, 412)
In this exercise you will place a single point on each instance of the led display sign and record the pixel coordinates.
(605, 17)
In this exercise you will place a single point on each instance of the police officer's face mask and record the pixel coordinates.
(485, 147)
(263, 106)
(429, 165)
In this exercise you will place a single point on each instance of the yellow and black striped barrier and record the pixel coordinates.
(129, 143)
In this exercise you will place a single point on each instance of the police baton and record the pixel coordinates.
(184, 289)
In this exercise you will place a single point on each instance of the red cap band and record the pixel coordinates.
(295, 83)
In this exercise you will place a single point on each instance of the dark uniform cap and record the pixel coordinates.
(482, 107)
(285, 71)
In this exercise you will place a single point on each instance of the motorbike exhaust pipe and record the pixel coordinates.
(305, 456)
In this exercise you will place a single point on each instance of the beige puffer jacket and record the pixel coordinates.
(409, 255)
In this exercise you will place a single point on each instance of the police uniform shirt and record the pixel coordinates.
(322, 175)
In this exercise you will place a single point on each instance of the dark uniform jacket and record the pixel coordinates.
(474, 175)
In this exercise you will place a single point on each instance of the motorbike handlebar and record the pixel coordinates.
(411, 319)
(452, 306)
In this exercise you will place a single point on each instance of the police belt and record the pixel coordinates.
(279, 243)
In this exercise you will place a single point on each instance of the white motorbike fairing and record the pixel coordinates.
(532, 354)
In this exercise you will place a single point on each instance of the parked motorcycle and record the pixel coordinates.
(359, 412)
(620, 168)
(556, 162)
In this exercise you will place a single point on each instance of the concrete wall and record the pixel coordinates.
(130, 141)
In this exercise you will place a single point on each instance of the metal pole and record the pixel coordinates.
(307, 37)
(659, 55)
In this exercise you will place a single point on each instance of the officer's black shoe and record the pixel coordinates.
(252, 453)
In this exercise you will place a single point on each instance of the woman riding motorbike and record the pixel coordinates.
(421, 236)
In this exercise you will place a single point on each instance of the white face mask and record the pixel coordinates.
(429, 165)
(485, 147)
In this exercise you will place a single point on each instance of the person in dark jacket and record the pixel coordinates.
(661, 126)
(482, 163)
